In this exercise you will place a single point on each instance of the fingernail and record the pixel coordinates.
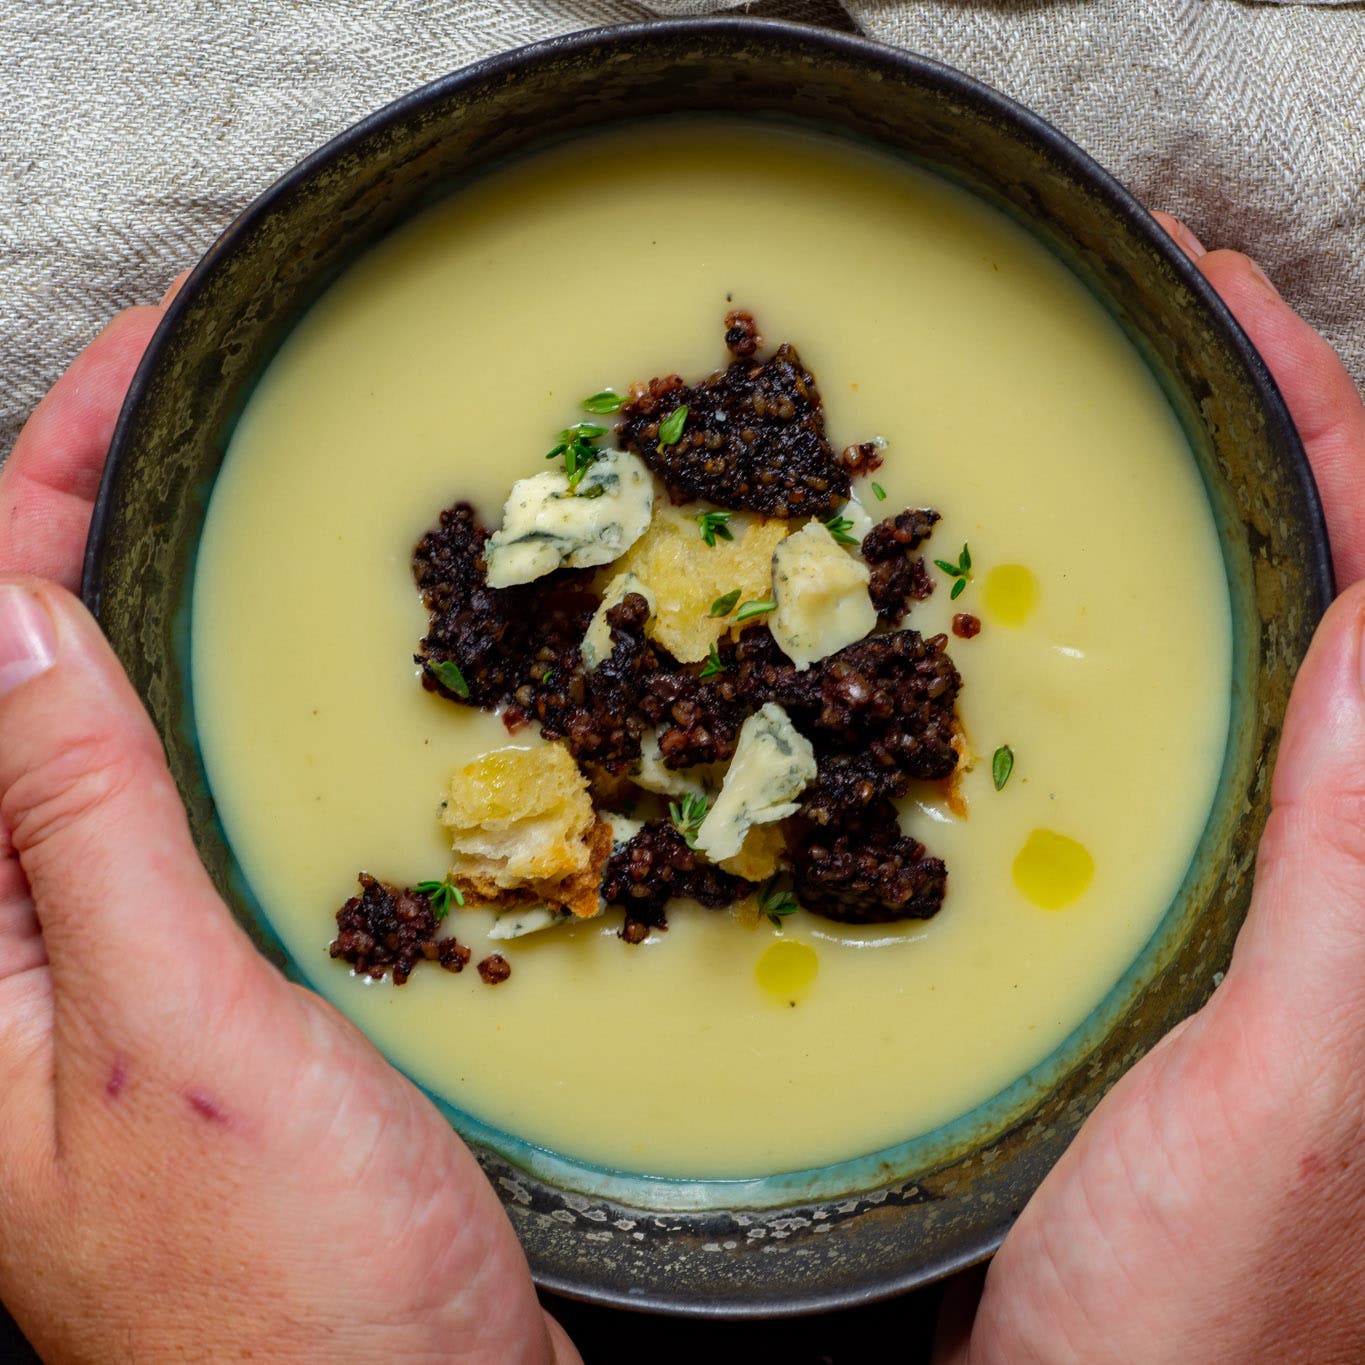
(1263, 278)
(28, 641)
(173, 288)
(1189, 242)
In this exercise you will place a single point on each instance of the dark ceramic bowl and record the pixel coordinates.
(848, 1233)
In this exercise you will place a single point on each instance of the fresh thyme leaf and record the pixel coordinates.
(557, 451)
(672, 426)
(713, 667)
(1002, 765)
(603, 402)
(754, 609)
(595, 491)
(687, 816)
(723, 606)
(776, 902)
(839, 528)
(448, 674)
(583, 431)
(546, 676)
(961, 571)
(879, 492)
(712, 524)
(442, 895)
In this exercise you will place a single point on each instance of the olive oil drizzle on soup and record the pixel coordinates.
(441, 366)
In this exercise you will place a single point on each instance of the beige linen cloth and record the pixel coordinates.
(132, 132)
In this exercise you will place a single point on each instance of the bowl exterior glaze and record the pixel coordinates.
(849, 1233)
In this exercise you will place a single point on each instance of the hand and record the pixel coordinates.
(1210, 1209)
(197, 1159)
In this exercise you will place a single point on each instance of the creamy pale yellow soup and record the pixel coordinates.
(442, 365)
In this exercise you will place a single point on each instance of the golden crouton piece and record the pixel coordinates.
(523, 830)
(758, 855)
(686, 575)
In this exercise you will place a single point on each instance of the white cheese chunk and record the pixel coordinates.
(596, 644)
(546, 526)
(821, 595)
(772, 766)
(853, 511)
(530, 920)
(623, 828)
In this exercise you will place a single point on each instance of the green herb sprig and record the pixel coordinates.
(671, 428)
(578, 445)
(442, 895)
(839, 527)
(961, 572)
(448, 674)
(751, 609)
(879, 492)
(713, 667)
(603, 403)
(777, 903)
(1002, 765)
(725, 604)
(713, 524)
(687, 816)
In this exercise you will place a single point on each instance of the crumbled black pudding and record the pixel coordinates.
(389, 927)
(868, 872)
(597, 713)
(754, 438)
(494, 969)
(899, 576)
(656, 866)
(494, 636)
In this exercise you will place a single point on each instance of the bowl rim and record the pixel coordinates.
(794, 40)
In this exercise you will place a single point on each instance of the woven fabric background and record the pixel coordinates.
(131, 133)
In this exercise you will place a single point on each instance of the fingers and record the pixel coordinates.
(49, 482)
(1320, 395)
(1306, 920)
(97, 824)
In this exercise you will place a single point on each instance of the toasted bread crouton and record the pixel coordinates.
(686, 575)
(758, 855)
(523, 830)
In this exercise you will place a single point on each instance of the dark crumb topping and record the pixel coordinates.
(966, 626)
(868, 872)
(596, 712)
(654, 867)
(754, 437)
(742, 336)
(392, 927)
(495, 969)
(864, 458)
(899, 576)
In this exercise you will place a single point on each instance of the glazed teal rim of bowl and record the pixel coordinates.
(517, 1165)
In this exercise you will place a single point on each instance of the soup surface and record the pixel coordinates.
(441, 366)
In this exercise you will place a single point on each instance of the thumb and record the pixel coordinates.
(1310, 876)
(94, 818)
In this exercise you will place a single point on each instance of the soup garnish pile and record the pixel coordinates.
(707, 623)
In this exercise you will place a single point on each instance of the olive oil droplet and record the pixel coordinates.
(1052, 870)
(787, 969)
(1010, 594)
